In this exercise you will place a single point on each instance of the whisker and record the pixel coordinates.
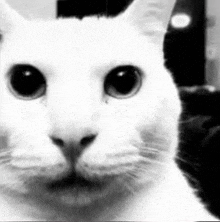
(4, 162)
(128, 185)
(6, 157)
(191, 178)
(155, 146)
(158, 153)
(4, 152)
(133, 179)
(182, 121)
(150, 148)
(153, 155)
(152, 161)
(129, 181)
(187, 161)
(3, 158)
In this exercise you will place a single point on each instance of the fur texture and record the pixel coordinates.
(115, 153)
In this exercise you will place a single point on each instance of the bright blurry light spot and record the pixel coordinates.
(180, 20)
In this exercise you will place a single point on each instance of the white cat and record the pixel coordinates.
(91, 118)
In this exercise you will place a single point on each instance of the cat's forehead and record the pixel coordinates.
(72, 32)
(90, 40)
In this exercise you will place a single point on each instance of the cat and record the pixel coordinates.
(90, 115)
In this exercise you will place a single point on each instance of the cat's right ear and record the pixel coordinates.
(151, 17)
(9, 18)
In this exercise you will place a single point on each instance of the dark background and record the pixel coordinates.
(184, 49)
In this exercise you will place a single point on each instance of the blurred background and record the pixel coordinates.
(192, 53)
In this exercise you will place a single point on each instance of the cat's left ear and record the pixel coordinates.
(9, 18)
(151, 17)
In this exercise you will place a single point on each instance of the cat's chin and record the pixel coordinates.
(78, 191)
(78, 196)
(72, 190)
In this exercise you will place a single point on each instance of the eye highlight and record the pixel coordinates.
(123, 82)
(26, 82)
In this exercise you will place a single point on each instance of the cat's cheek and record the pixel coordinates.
(109, 157)
(34, 154)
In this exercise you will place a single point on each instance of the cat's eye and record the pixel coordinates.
(123, 82)
(26, 82)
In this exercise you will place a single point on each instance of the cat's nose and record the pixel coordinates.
(74, 144)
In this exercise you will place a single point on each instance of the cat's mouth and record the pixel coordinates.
(74, 180)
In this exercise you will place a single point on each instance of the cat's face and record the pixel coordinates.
(86, 105)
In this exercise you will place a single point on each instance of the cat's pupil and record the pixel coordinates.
(26, 82)
(123, 82)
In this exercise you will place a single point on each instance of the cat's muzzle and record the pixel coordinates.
(74, 180)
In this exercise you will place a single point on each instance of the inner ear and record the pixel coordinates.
(9, 18)
(151, 17)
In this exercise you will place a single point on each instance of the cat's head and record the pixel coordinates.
(86, 105)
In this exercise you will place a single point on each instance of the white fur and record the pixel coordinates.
(137, 136)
